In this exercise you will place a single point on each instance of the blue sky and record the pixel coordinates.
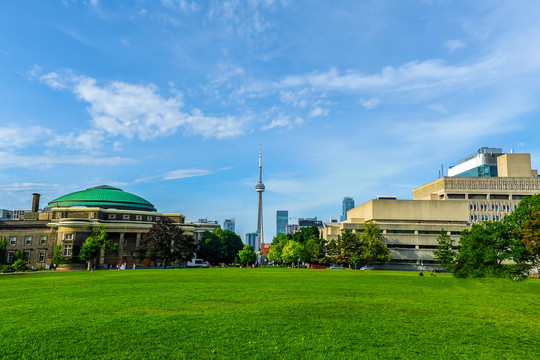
(170, 100)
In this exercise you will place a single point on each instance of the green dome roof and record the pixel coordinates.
(103, 196)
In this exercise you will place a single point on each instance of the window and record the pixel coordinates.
(474, 207)
(149, 218)
(10, 257)
(26, 256)
(27, 240)
(67, 250)
(12, 240)
(138, 217)
(41, 256)
(126, 217)
(42, 240)
(112, 216)
(68, 236)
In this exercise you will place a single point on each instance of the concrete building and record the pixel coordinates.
(229, 224)
(282, 220)
(346, 205)
(291, 228)
(68, 220)
(411, 227)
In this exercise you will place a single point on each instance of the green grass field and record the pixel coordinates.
(268, 313)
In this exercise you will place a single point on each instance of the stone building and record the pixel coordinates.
(411, 227)
(69, 220)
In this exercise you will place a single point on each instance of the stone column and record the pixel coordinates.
(102, 256)
(121, 248)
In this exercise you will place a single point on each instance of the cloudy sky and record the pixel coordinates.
(170, 100)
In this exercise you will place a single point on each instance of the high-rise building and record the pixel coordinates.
(282, 220)
(481, 164)
(254, 240)
(259, 188)
(346, 205)
(229, 224)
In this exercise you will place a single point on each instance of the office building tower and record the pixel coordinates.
(282, 220)
(229, 224)
(346, 205)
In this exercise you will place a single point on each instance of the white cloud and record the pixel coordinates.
(453, 45)
(123, 109)
(318, 111)
(369, 103)
(186, 173)
(21, 137)
(47, 160)
(282, 121)
(185, 6)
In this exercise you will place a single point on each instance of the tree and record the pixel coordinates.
(276, 248)
(312, 251)
(291, 252)
(57, 255)
(220, 246)
(166, 241)
(525, 224)
(372, 250)
(349, 245)
(19, 264)
(93, 244)
(3, 246)
(247, 255)
(483, 250)
(306, 233)
(445, 255)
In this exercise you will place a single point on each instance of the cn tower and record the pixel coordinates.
(260, 189)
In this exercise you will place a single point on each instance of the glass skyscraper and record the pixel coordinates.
(229, 224)
(282, 220)
(348, 204)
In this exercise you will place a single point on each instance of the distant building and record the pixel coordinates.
(306, 222)
(6, 214)
(18, 212)
(410, 227)
(229, 224)
(346, 205)
(254, 240)
(291, 228)
(481, 164)
(282, 220)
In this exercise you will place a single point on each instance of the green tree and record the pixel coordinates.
(349, 245)
(525, 224)
(445, 255)
(3, 246)
(57, 255)
(306, 233)
(291, 252)
(483, 250)
(220, 246)
(372, 250)
(276, 248)
(247, 255)
(166, 241)
(312, 251)
(19, 264)
(93, 244)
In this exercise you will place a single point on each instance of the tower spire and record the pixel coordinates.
(259, 188)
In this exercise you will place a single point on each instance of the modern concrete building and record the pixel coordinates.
(282, 220)
(346, 205)
(481, 164)
(68, 220)
(411, 227)
(229, 224)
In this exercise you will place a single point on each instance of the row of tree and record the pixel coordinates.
(362, 247)
(508, 248)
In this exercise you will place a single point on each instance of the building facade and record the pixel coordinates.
(67, 221)
(282, 220)
(229, 224)
(411, 227)
(253, 239)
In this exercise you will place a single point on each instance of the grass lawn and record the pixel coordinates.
(268, 313)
